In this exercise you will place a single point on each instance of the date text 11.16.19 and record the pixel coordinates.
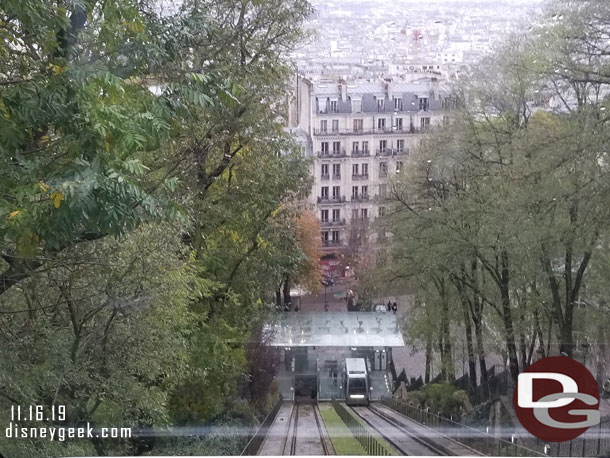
(38, 413)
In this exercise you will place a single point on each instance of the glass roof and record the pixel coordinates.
(335, 329)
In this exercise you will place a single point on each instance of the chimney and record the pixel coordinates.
(388, 90)
(343, 90)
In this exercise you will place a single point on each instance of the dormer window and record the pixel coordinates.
(380, 105)
(333, 106)
(397, 103)
(423, 103)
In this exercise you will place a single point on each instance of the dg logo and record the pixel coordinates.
(557, 399)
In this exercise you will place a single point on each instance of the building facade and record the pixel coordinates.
(361, 135)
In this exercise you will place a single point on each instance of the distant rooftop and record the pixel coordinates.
(336, 329)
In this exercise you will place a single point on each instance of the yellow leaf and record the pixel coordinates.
(43, 186)
(57, 197)
(13, 214)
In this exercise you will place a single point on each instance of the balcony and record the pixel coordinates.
(383, 173)
(333, 223)
(390, 152)
(331, 243)
(360, 198)
(331, 200)
(361, 153)
(336, 176)
(367, 131)
(331, 154)
(325, 176)
(360, 177)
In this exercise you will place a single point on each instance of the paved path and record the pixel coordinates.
(277, 435)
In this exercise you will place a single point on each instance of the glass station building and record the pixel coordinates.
(313, 347)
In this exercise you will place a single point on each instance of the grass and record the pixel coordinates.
(341, 437)
(381, 440)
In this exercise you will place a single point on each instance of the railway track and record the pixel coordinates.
(305, 434)
(409, 437)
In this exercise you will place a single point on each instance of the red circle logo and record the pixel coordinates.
(557, 399)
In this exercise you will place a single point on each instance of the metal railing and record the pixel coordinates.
(327, 243)
(325, 176)
(361, 153)
(467, 435)
(365, 438)
(368, 131)
(594, 442)
(256, 440)
(334, 222)
(331, 200)
(331, 154)
(391, 151)
(360, 176)
(360, 198)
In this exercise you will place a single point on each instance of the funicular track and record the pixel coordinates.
(299, 431)
(409, 437)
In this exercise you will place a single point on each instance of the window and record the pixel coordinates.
(381, 212)
(324, 192)
(324, 171)
(355, 213)
(357, 125)
(364, 213)
(383, 190)
(323, 125)
(425, 123)
(324, 148)
(382, 145)
(356, 105)
(398, 123)
(336, 147)
(324, 216)
(355, 169)
(335, 236)
(354, 192)
(381, 123)
(336, 215)
(365, 147)
(398, 167)
(336, 192)
(397, 103)
(383, 169)
(400, 145)
(380, 104)
(333, 106)
(325, 237)
(336, 170)
(355, 147)
(365, 191)
(365, 169)
(423, 103)
(335, 125)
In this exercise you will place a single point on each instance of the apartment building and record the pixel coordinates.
(360, 135)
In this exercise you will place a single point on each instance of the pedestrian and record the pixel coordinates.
(389, 306)
(335, 378)
(394, 307)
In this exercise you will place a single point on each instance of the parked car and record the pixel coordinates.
(380, 308)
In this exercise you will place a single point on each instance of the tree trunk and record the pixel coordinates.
(428, 360)
(513, 361)
(278, 297)
(472, 364)
(286, 290)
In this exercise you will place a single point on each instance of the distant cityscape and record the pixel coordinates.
(368, 39)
